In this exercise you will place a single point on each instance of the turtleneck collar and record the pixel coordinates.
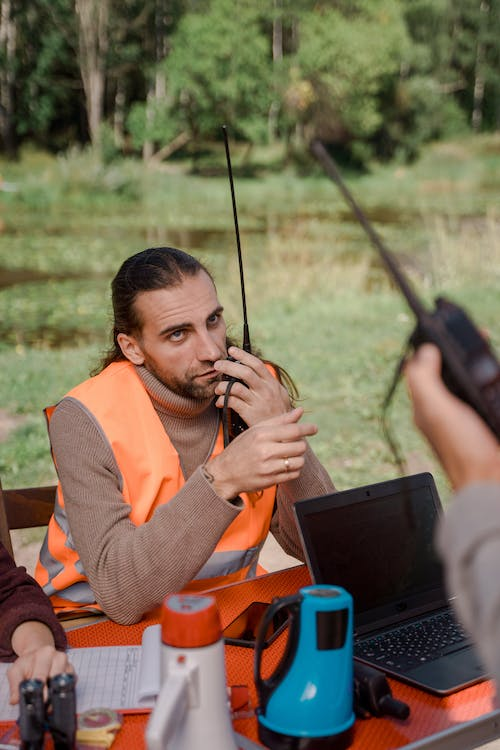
(169, 402)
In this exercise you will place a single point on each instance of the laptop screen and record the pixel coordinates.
(377, 542)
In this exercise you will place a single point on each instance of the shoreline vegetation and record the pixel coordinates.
(319, 301)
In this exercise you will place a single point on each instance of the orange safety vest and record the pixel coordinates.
(150, 476)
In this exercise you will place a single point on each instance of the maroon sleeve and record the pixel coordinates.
(22, 599)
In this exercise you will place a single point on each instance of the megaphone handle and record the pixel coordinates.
(170, 709)
(266, 686)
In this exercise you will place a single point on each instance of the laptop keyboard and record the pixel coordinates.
(409, 645)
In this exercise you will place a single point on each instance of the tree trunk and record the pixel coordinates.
(178, 142)
(158, 91)
(148, 148)
(93, 20)
(478, 96)
(119, 114)
(7, 79)
(274, 109)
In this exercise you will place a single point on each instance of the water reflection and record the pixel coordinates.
(332, 228)
(13, 276)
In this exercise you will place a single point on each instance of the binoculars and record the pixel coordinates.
(57, 715)
(373, 695)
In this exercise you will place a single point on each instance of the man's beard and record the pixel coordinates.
(188, 388)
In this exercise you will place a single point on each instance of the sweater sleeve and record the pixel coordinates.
(468, 539)
(313, 481)
(130, 568)
(22, 600)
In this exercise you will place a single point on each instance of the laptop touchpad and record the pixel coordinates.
(446, 673)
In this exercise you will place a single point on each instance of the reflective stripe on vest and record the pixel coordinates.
(150, 475)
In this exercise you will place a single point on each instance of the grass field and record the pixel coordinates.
(318, 300)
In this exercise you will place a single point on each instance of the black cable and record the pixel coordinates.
(386, 429)
(226, 414)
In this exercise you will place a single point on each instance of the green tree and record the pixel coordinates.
(476, 57)
(49, 103)
(345, 54)
(149, 120)
(453, 73)
(37, 59)
(8, 48)
(219, 71)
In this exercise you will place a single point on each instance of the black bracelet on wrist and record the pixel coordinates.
(208, 476)
(238, 501)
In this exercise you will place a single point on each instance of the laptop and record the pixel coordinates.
(377, 542)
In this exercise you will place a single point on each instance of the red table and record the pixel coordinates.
(429, 714)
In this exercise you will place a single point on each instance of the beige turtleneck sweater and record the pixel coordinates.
(131, 569)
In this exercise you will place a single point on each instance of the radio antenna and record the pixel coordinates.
(330, 168)
(246, 335)
(470, 368)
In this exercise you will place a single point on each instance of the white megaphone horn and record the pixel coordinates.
(192, 710)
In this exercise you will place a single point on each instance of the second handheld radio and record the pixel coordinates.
(470, 368)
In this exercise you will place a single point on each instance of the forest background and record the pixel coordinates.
(110, 127)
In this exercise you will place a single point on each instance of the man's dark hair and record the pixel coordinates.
(154, 268)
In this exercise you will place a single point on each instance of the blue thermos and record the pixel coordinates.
(307, 702)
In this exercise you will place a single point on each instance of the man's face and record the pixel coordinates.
(183, 333)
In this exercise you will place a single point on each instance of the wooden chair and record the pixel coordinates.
(24, 509)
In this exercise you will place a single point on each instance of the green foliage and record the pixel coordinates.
(456, 44)
(417, 112)
(375, 78)
(345, 62)
(47, 68)
(154, 121)
(219, 71)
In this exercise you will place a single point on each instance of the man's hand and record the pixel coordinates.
(37, 657)
(264, 397)
(268, 453)
(466, 447)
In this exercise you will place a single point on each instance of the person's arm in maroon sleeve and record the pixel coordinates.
(30, 634)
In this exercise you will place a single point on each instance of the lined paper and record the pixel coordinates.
(107, 677)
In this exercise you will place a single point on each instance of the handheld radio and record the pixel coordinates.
(470, 368)
(233, 425)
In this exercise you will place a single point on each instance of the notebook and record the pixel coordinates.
(377, 541)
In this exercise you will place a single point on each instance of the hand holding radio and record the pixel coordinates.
(268, 453)
(465, 446)
(256, 395)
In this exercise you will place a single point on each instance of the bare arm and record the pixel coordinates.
(465, 446)
(469, 533)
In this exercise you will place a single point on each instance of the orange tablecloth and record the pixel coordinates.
(429, 714)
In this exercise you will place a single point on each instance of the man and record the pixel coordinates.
(469, 534)
(149, 500)
(30, 635)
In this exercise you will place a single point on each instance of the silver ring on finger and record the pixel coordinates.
(287, 464)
